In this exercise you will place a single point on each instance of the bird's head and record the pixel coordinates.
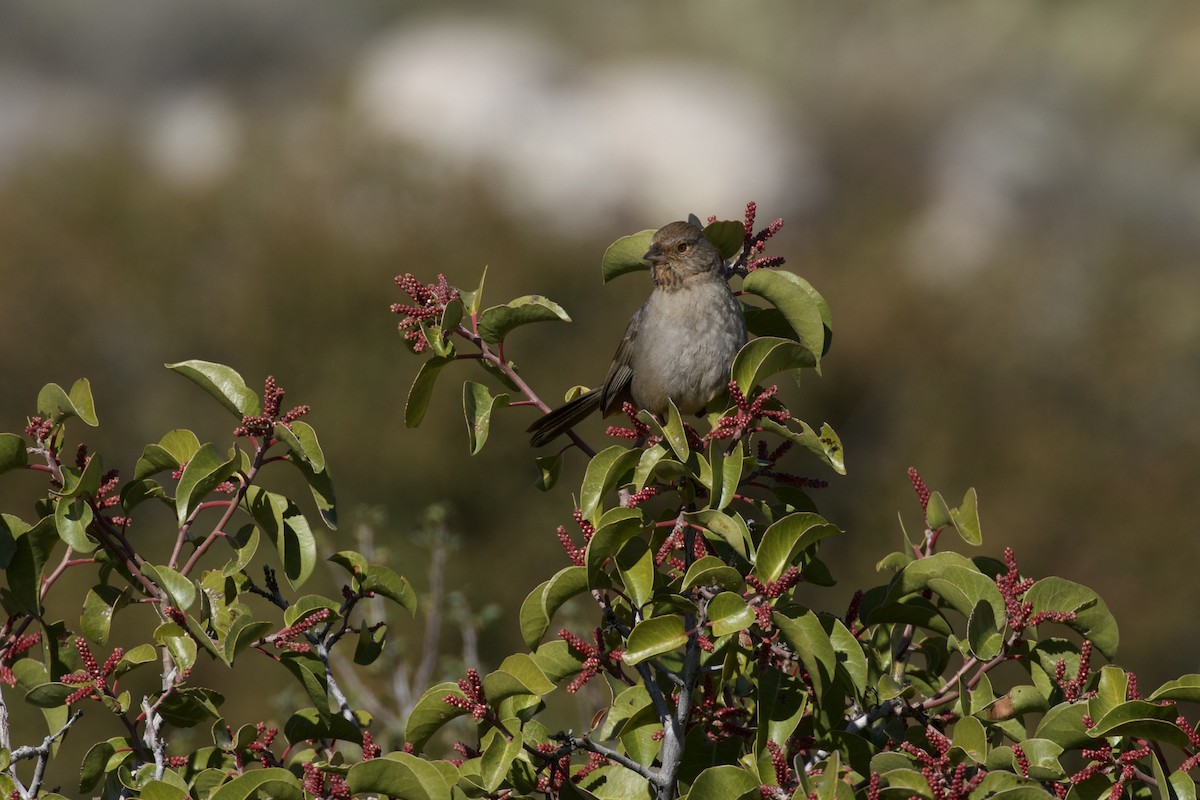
(678, 252)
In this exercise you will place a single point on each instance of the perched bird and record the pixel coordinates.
(679, 344)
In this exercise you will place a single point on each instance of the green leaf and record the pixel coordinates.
(499, 752)
(625, 255)
(635, 564)
(1092, 617)
(430, 713)
(387, 582)
(142, 654)
(786, 539)
(654, 637)
(472, 301)
(285, 525)
(808, 638)
(31, 550)
(971, 737)
(518, 674)
(399, 775)
(161, 790)
(797, 301)
(726, 528)
(92, 768)
(306, 605)
(223, 383)
(273, 782)
(58, 405)
(725, 782)
(728, 613)
(1063, 725)
(178, 643)
(726, 474)
(937, 512)
(826, 445)
(99, 606)
(1185, 688)
(245, 545)
(422, 390)
(966, 518)
(304, 450)
(371, 641)
(1143, 719)
(308, 723)
(712, 571)
(180, 589)
(49, 695)
(1042, 755)
(203, 473)
(549, 468)
(761, 358)
(728, 236)
(12, 452)
(478, 405)
(187, 708)
(851, 659)
(175, 448)
(954, 577)
(497, 322)
(542, 603)
(984, 633)
(604, 472)
(608, 540)
(71, 520)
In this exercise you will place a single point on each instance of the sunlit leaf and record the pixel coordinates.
(625, 255)
(497, 322)
(223, 383)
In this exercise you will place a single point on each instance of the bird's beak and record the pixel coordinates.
(655, 255)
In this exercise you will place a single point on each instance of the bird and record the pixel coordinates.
(679, 344)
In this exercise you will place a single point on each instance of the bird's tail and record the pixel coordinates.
(562, 419)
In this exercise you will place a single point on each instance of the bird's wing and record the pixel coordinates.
(620, 373)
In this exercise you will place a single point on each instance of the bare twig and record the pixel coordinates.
(42, 753)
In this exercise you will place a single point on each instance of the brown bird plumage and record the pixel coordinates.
(678, 345)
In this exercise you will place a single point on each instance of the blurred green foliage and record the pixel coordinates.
(1001, 206)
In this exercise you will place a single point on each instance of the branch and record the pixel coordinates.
(486, 354)
(583, 743)
(42, 753)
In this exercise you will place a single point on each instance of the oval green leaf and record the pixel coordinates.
(625, 255)
(223, 383)
(654, 637)
(497, 322)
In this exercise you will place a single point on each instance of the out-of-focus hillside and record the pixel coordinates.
(1000, 202)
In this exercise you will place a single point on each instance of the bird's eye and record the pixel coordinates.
(682, 247)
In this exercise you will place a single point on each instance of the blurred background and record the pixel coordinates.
(1001, 203)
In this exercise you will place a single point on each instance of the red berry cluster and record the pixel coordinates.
(946, 781)
(1072, 688)
(919, 486)
(93, 678)
(575, 554)
(595, 658)
(289, 638)
(755, 243)
(677, 541)
(475, 700)
(16, 648)
(370, 750)
(637, 430)
(263, 425)
(748, 412)
(324, 786)
(1018, 610)
(428, 303)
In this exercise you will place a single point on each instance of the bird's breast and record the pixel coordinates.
(688, 339)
